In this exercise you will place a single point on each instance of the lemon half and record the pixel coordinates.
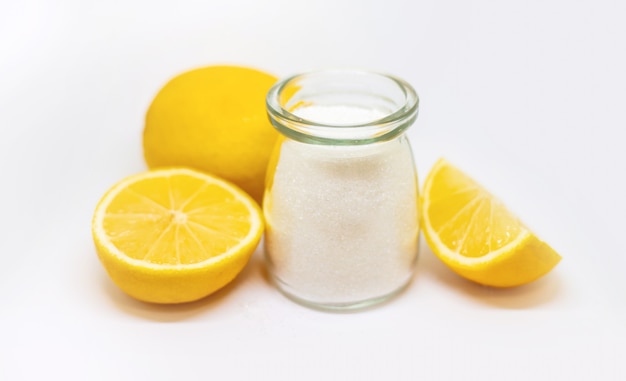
(175, 235)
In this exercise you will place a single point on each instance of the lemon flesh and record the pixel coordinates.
(175, 235)
(213, 119)
(475, 235)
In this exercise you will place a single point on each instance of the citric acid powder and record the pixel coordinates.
(342, 221)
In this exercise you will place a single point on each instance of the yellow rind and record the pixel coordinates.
(521, 262)
(172, 285)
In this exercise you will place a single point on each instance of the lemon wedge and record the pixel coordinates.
(475, 235)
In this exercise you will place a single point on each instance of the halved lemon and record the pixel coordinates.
(475, 235)
(175, 235)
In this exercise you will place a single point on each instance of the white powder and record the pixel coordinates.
(342, 220)
(339, 114)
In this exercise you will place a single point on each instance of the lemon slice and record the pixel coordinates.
(476, 236)
(175, 235)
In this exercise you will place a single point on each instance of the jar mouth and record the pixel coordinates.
(342, 106)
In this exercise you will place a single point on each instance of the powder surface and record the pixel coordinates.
(339, 114)
(342, 221)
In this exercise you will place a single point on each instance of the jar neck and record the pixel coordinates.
(342, 107)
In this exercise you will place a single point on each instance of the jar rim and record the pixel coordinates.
(386, 127)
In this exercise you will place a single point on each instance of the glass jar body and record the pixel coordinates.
(342, 224)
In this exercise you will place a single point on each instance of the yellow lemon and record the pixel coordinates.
(476, 236)
(175, 235)
(213, 119)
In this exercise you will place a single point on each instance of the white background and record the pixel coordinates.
(528, 97)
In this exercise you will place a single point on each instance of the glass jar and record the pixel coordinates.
(341, 198)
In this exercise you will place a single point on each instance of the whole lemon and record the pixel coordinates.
(213, 119)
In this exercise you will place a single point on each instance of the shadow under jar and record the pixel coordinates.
(341, 198)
